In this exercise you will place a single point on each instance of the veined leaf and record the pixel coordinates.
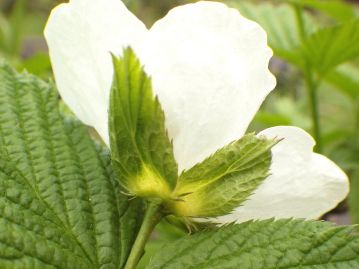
(224, 180)
(60, 205)
(331, 46)
(142, 153)
(268, 244)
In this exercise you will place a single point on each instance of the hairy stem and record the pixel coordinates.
(152, 217)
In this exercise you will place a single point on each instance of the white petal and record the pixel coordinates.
(80, 36)
(209, 67)
(302, 184)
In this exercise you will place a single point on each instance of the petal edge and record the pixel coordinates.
(80, 37)
(209, 67)
(303, 184)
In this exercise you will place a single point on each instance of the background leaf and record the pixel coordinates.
(38, 64)
(331, 46)
(264, 245)
(321, 49)
(337, 9)
(345, 78)
(60, 206)
(279, 21)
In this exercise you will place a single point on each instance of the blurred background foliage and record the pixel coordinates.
(316, 48)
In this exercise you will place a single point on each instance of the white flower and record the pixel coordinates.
(209, 67)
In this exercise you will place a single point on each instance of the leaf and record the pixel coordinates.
(271, 119)
(264, 245)
(322, 49)
(282, 110)
(60, 205)
(224, 180)
(339, 10)
(345, 78)
(142, 153)
(279, 21)
(331, 46)
(38, 64)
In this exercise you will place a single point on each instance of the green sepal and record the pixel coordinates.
(142, 154)
(224, 180)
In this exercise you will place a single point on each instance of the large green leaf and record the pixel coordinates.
(224, 180)
(60, 206)
(142, 153)
(268, 244)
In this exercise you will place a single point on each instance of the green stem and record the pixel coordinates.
(311, 84)
(314, 105)
(152, 217)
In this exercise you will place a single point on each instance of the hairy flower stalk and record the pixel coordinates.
(152, 217)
